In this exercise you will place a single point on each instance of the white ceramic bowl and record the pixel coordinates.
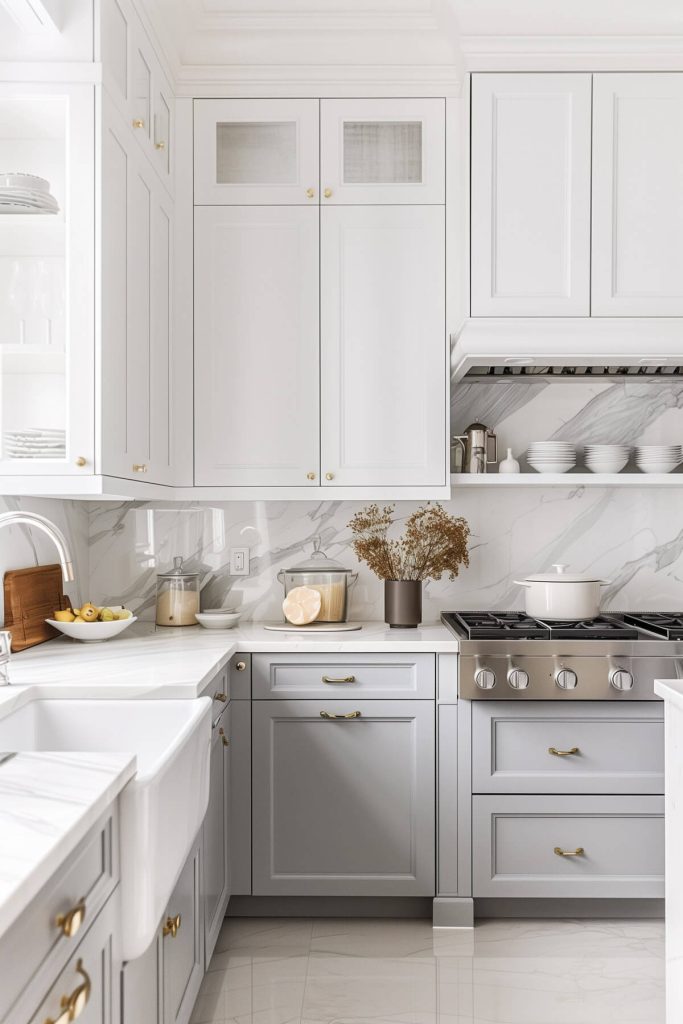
(217, 618)
(92, 632)
(604, 465)
(657, 467)
(552, 467)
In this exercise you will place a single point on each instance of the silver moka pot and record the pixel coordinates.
(475, 450)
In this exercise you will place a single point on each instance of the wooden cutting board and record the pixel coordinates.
(31, 596)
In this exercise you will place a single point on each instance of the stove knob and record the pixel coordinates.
(485, 678)
(566, 678)
(518, 679)
(621, 679)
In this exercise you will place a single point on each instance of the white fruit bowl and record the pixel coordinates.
(93, 632)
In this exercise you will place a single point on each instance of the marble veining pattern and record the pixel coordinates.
(298, 971)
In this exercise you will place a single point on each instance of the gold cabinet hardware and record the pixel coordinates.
(327, 193)
(240, 666)
(81, 461)
(72, 920)
(330, 717)
(310, 192)
(578, 852)
(160, 145)
(138, 122)
(329, 476)
(342, 679)
(310, 476)
(220, 696)
(171, 926)
(72, 1006)
(226, 741)
(563, 753)
(139, 467)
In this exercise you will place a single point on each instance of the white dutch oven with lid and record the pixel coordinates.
(561, 594)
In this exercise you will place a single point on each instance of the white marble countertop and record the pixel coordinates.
(671, 690)
(47, 804)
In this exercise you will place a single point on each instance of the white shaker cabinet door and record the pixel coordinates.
(382, 151)
(343, 798)
(256, 346)
(637, 195)
(383, 346)
(256, 152)
(531, 181)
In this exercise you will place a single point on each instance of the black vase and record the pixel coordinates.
(403, 603)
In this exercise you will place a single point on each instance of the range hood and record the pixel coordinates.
(523, 346)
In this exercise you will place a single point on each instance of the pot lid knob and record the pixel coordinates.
(561, 567)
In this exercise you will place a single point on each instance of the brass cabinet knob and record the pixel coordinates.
(139, 467)
(329, 476)
(171, 926)
(72, 1006)
(310, 192)
(81, 461)
(220, 696)
(160, 145)
(226, 741)
(138, 122)
(327, 193)
(240, 666)
(72, 920)
(310, 476)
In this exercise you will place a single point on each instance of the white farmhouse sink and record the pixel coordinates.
(163, 805)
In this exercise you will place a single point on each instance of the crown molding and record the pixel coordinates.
(318, 80)
(572, 53)
(315, 21)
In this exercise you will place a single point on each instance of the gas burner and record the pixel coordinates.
(666, 624)
(496, 625)
(602, 628)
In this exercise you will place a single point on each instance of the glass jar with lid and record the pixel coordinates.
(329, 578)
(177, 596)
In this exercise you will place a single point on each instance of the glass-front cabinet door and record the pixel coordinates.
(46, 279)
(256, 152)
(382, 151)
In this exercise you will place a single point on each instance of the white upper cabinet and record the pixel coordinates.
(383, 346)
(531, 184)
(382, 151)
(255, 152)
(637, 195)
(256, 346)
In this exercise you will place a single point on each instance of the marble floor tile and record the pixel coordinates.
(402, 972)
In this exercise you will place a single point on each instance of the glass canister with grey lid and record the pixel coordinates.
(177, 596)
(331, 579)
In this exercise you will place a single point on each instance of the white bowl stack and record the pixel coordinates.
(658, 458)
(606, 458)
(551, 456)
(26, 193)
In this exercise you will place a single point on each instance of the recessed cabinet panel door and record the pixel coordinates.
(182, 956)
(256, 346)
(343, 805)
(256, 152)
(216, 876)
(137, 353)
(161, 384)
(383, 346)
(382, 151)
(531, 180)
(637, 195)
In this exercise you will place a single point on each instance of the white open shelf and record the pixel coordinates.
(674, 479)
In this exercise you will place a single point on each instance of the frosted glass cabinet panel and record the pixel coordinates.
(382, 151)
(256, 152)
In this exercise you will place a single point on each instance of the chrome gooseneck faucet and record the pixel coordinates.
(59, 540)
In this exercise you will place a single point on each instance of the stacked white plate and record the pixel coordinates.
(34, 443)
(26, 193)
(606, 458)
(551, 456)
(658, 458)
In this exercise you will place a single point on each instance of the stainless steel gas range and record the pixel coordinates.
(511, 656)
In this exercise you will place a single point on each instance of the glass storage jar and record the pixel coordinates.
(177, 596)
(329, 578)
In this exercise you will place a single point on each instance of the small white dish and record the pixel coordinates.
(217, 618)
(92, 632)
(606, 465)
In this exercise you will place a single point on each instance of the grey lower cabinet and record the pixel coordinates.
(216, 863)
(343, 795)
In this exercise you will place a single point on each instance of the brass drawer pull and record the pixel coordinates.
(160, 145)
(343, 679)
(240, 666)
(220, 696)
(310, 192)
(139, 467)
(329, 717)
(172, 926)
(328, 193)
(563, 753)
(578, 852)
(138, 122)
(226, 741)
(72, 920)
(72, 1006)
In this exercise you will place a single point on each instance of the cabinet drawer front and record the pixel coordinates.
(597, 748)
(36, 946)
(381, 676)
(515, 839)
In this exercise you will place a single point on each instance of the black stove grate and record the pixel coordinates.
(666, 624)
(518, 626)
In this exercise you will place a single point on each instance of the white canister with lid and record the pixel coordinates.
(177, 596)
(561, 594)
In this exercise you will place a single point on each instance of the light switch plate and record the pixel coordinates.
(239, 561)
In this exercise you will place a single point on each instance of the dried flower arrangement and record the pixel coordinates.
(433, 543)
